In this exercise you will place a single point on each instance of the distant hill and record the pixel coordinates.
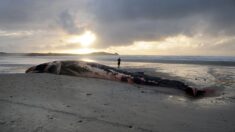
(55, 54)
(102, 53)
(48, 54)
(2, 53)
(67, 54)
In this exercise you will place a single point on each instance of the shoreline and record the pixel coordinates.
(45, 102)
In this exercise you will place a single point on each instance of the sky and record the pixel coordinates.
(130, 27)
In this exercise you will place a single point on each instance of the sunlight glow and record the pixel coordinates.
(85, 39)
(87, 60)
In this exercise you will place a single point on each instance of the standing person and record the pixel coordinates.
(119, 62)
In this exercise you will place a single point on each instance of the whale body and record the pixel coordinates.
(95, 70)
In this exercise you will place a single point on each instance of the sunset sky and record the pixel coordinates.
(142, 27)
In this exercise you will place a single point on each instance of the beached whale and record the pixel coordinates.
(95, 70)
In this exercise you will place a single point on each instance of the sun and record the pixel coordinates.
(85, 40)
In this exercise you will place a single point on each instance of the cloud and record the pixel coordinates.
(157, 9)
(15, 33)
(33, 26)
(116, 22)
(34, 14)
(122, 21)
(68, 23)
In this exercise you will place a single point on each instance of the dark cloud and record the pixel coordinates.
(34, 14)
(23, 14)
(124, 21)
(68, 23)
(112, 10)
(124, 33)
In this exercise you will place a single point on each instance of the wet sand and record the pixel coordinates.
(45, 102)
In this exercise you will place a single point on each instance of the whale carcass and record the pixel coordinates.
(95, 70)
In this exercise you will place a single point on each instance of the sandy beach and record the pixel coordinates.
(45, 102)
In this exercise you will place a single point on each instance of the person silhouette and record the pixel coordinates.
(119, 62)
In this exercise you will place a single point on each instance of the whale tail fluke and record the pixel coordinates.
(199, 92)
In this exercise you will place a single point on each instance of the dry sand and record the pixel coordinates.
(44, 102)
